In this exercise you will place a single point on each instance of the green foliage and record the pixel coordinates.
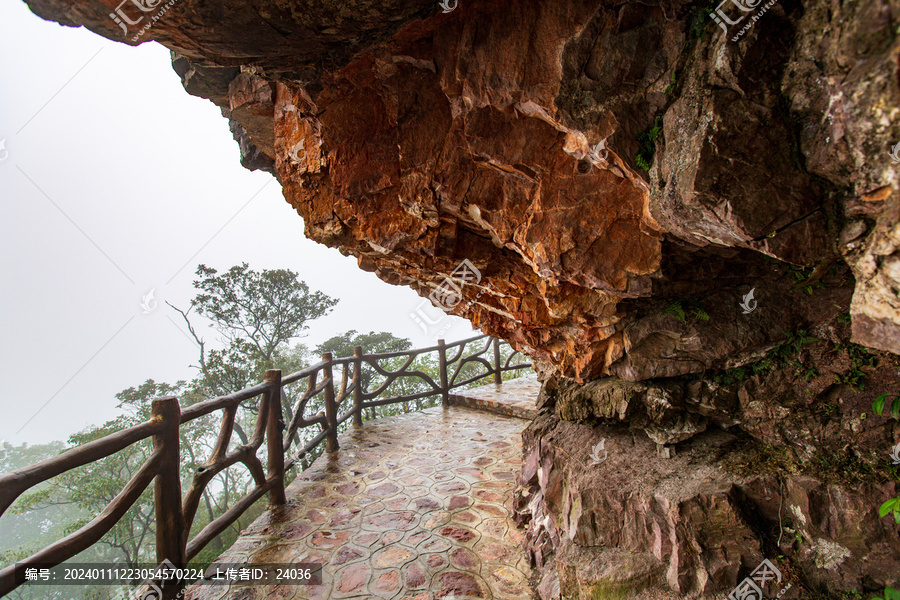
(676, 310)
(804, 371)
(829, 410)
(647, 142)
(694, 309)
(671, 87)
(793, 344)
(735, 375)
(801, 275)
(892, 506)
(698, 19)
(844, 318)
(789, 353)
(371, 343)
(763, 366)
(854, 377)
(890, 593)
(878, 405)
(265, 308)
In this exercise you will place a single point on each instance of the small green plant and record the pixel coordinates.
(793, 344)
(788, 353)
(698, 19)
(878, 405)
(844, 318)
(855, 377)
(694, 309)
(892, 506)
(804, 371)
(676, 311)
(889, 594)
(763, 366)
(801, 275)
(647, 141)
(671, 88)
(735, 375)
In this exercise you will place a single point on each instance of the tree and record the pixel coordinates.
(371, 343)
(342, 346)
(257, 314)
(266, 309)
(91, 487)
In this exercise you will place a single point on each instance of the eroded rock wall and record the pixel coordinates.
(683, 485)
(695, 222)
(515, 135)
(642, 525)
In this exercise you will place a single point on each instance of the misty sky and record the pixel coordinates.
(114, 181)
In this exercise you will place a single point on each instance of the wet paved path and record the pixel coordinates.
(412, 507)
(514, 398)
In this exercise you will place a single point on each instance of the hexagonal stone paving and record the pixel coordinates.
(414, 507)
(513, 398)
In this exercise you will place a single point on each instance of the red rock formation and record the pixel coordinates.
(622, 176)
(504, 133)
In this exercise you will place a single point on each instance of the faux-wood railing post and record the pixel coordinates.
(274, 442)
(331, 441)
(498, 378)
(357, 385)
(171, 531)
(442, 364)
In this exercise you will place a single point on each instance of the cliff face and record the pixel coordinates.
(697, 222)
(516, 135)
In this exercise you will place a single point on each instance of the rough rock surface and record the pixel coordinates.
(665, 210)
(700, 477)
(508, 134)
(696, 523)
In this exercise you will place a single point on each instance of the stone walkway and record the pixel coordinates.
(414, 507)
(514, 398)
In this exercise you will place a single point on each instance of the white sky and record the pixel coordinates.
(139, 177)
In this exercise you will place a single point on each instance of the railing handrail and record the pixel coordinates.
(177, 511)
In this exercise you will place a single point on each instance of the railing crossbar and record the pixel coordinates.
(91, 533)
(19, 481)
(177, 513)
(209, 406)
